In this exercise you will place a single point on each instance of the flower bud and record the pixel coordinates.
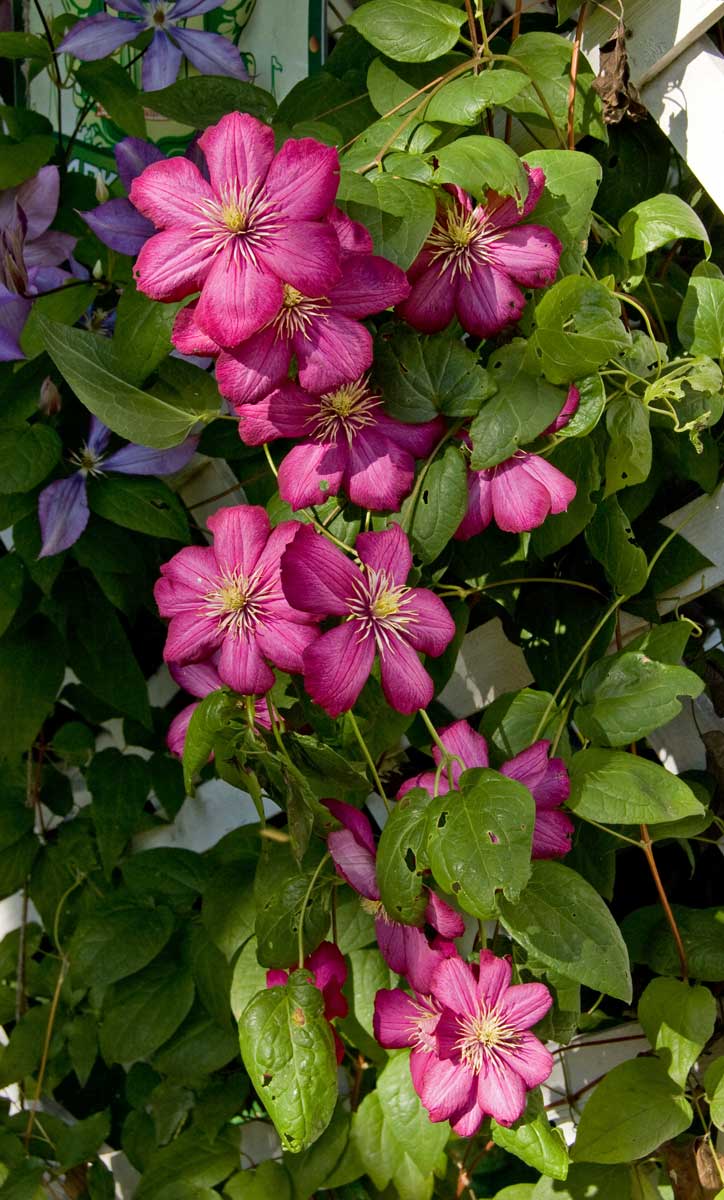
(49, 401)
(97, 271)
(102, 193)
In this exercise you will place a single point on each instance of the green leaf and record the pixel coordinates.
(511, 721)
(145, 504)
(12, 581)
(628, 458)
(228, 909)
(631, 1112)
(207, 720)
(25, 1181)
(479, 840)
(280, 887)
(401, 860)
(572, 180)
(649, 940)
(83, 1046)
(27, 455)
(577, 329)
(81, 1141)
(20, 161)
(714, 1084)
(678, 1019)
(701, 319)
(249, 978)
(89, 365)
(288, 1051)
(666, 643)
(420, 1139)
(119, 784)
(586, 1182)
(478, 163)
(611, 541)
(117, 940)
(657, 221)
(434, 512)
(562, 921)
(388, 90)
(408, 30)
(532, 1139)
(101, 654)
(191, 1160)
(32, 664)
(200, 1047)
(205, 99)
(626, 696)
(142, 333)
(171, 875)
(426, 376)
(522, 407)
(462, 101)
(108, 83)
(547, 58)
(398, 212)
(269, 1179)
(142, 1012)
(623, 789)
(24, 45)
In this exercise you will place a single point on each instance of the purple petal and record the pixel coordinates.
(95, 37)
(168, 192)
(354, 862)
(502, 211)
(433, 628)
(210, 53)
(405, 682)
(555, 787)
(465, 743)
(191, 8)
(488, 301)
(63, 513)
(188, 338)
(355, 820)
(282, 414)
(242, 667)
(493, 977)
(454, 985)
(255, 368)
(132, 156)
(303, 179)
(552, 834)
(142, 460)
(353, 237)
(332, 350)
(38, 198)
(380, 473)
(49, 249)
(388, 551)
(337, 666)
(529, 254)
(14, 312)
(240, 535)
(134, 7)
(160, 63)
(199, 679)
(118, 225)
(520, 502)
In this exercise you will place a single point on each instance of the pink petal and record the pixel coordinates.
(172, 265)
(433, 628)
(530, 766)
(240, 535)
(480, 505)
(443, 918)
(488, 301)
(529, 254)
(168, 193)
(284, 413)
(431, 304)
(461, 740)
(392, 943)
(466, 1122)
(448, 1087)
(388, 551)
(405, 682)
(304, 254)
(502, 211)
(177, 730)
(337, 666)
(421, 959)
(284, 642)
(312, 472)
(552, 835)
(269, 563)
(194, 567)
(570, 407)
(303, 179)
(529, 1059)
(276, 978)
(242, 667)
(354, 862)
(327, 964)
(200, 678)
(353, 237)
(316, 577)
(187, 335)
(418, 440)
(380, 474)
(501, 1093)
(395, 1019)
(555, 787)
(239, 151)
(520, 502)
(190, 636)
(493, 977)
(351, 818)
(236, 299)
(426, 780)
(333, 350)
(525, 1004)
(454, 986)
(561, 489)
(254, 368)
(368, 285)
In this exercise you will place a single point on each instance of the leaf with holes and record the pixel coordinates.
(401, 859)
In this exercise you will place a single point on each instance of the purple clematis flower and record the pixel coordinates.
(475, 261)
(404, 947)
(96, 37)
(382, 616)
(349, 443)
(258, 224)
(546, 779)
(228, 598)
(201, 679)
(30, 253)
(517, 494)
(63, 505)
(117, 223)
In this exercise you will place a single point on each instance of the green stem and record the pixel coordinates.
(626, 299)
(368, 759)
(305, 903)
(605, 829)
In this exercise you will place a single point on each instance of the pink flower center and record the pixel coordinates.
(241, 218)
(481, 1034)
(240, 602)
(459, 240)
(297, 312)
(345, 411)
(423, 1023)
(381, 608)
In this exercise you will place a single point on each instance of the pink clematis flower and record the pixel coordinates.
(257, 225)
(474, 260)
(517, 494)
(229, 599)
(404, 947)
(485, 1058)
(546, 779)
(200, 679)
(349, 444)
(330, 972)
(382, 617)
